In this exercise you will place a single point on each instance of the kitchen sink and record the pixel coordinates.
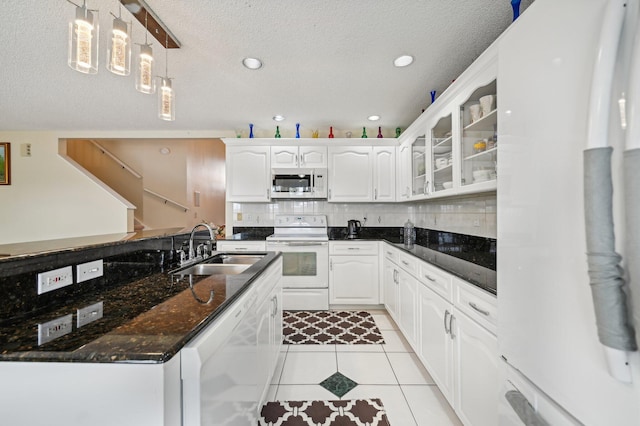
(213, 269)
(222, 264)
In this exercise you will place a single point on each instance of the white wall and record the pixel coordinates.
(472, 215)
(50, 199)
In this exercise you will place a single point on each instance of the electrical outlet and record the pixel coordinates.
(55, 328)
(89, 314)
(90, 270)
(52, 280)
(239, 217)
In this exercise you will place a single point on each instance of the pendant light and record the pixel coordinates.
(145, 83)
(166, 95)
(119, 51)
(83, 40)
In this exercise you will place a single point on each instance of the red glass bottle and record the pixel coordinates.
(380, 132)
(330, 132)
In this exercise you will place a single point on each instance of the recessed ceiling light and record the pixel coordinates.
(252, 63)
(403, 61)
(164, 150)
(278, 118)
(374, 117)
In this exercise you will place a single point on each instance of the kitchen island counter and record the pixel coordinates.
(146, 320)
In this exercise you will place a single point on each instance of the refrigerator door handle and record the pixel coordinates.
(522, 407)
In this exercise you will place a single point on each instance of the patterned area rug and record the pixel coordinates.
(330, 327)
(357, 412)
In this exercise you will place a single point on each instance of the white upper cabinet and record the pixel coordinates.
(248, 173)
(384, 173)
(403, 173)
(299, 157)
(362, 173)
(350, 174)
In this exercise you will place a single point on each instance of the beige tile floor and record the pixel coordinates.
(391, 372)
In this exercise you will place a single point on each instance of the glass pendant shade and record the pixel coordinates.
(166, 100)
(145, 83)
(119, 51)
(83, 41)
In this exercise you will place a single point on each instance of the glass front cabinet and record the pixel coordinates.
(453, 144)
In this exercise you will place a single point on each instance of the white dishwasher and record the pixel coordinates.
(219, 370)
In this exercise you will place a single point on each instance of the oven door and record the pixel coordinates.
(305, 264)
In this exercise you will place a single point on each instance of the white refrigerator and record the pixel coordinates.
(547, 335)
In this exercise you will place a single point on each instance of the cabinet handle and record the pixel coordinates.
(429, 278)
(329, 193)
(405, 263)
(389, 253)
(375, 194)
(451, 318)
(446, 314)
(395, 276)
(331, 265)
(274, 301)
(353, 248)
(296, 157)
(482, 311)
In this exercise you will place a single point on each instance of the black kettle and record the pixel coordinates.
(353, 227)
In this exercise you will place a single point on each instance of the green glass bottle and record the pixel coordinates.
(364, 133)
(398, 131)
(277, 132)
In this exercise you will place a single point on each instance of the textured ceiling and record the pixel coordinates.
(326, 63)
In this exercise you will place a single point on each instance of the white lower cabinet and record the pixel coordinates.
(436, 345)
(353, 273)
(476, 367)
(450, 324)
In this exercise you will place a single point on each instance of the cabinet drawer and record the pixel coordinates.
(390, 253)
(436, 280)
(353, 247)
(480, 306)
(222, 245)
(409, 263)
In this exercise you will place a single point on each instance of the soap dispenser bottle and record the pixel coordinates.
(409, 234)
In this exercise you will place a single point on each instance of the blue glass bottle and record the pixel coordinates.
(297, 130)
(251, 130)
(433, 96)
(515, 5)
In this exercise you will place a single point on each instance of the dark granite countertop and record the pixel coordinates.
(147, 320)
(468, 257)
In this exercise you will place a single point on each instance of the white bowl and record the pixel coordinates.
(447, 185)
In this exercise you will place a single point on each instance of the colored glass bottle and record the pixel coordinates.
(251, 130)
(380, 133)
(515, 5)
(364, 132)
(330, 132)
(398, 131)
(277, 132)
(433, 96)
(297, 130)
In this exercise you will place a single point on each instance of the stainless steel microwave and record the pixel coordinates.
(298, 183)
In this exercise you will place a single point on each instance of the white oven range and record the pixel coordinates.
(304, 243)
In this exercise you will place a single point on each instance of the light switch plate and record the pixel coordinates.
(90, 270)
(52, 280)
(53, 329)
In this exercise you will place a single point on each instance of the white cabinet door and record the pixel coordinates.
(403, 172)
(350, 174)
(476, 366)
(313, 157)
(390, 288)
(353, 280)
(436, 346)
(248, 173)
(384, 174)
(284, 156)
(407, 306)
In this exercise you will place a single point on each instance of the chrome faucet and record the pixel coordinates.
(202, 251)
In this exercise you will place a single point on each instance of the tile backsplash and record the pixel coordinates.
(471, 215)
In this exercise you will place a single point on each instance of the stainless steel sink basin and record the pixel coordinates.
(236, 259)
(213, 269)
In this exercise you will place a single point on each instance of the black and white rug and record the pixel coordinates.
(357, 412)
(330, 327)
